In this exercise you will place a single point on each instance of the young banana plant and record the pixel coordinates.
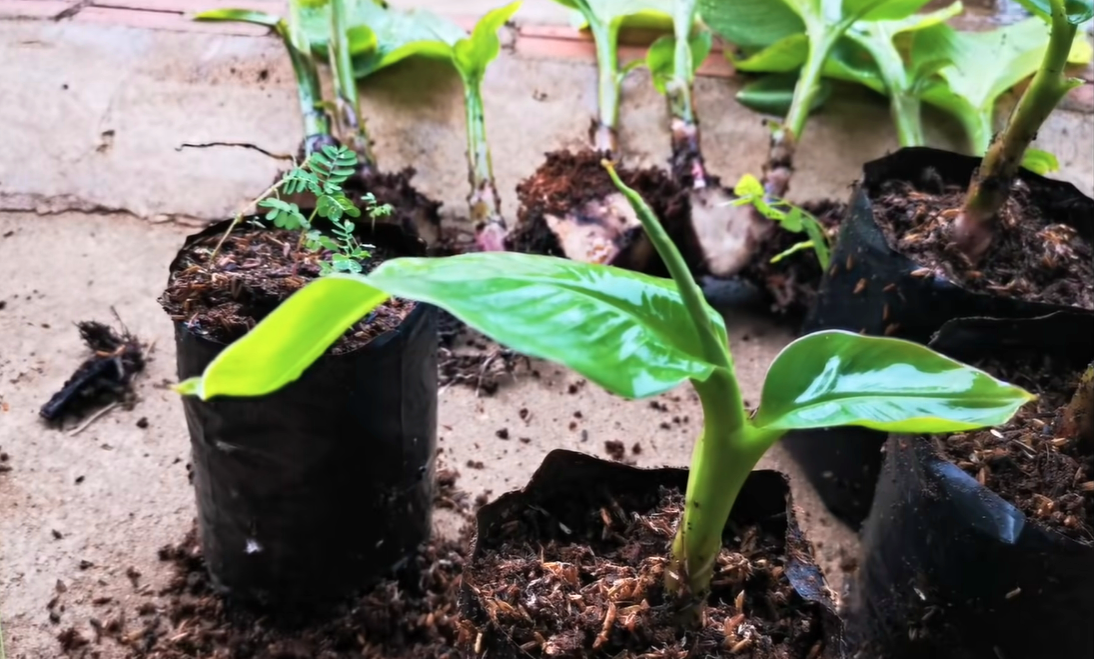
(784, 36)
(991, 185)
(637, 336)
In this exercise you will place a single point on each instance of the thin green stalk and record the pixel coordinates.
(484, 202)
(606, 37)
(686, 154)
(351, 128)
(727, 450)
(906, 110)
(991, 184)
(309, 92)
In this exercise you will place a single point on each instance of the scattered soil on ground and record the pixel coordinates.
(470, 359)
(1031, 462)
(792, 283)
(1030, 258)
(105, 377)
(605, 592)
(254, 272)
(567, 180)
(413, 616)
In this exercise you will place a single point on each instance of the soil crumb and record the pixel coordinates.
(1030, 258)
(567, 181)
(1031, 461)
(105, 377)
(254, 272)
(792, 282)
(410, 618)
(603, 596)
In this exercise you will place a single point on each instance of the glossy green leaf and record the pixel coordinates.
(1040, 162)
(772, 94)
(786, 55)
(398, 34)
(1078, 11)
(239, 16)
(472, 54)
(984, 66)
(751, 24)
(837, 378)
(628, 332)
(661, 57)
(881, 10)
(280, 348)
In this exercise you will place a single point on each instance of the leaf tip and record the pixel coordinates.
(190, 387)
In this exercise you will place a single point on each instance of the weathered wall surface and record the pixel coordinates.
(95, 110)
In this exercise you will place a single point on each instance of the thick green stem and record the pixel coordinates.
(906, 110)
(687, 158)
(484, 202)
(351, 128)
(991, 184)
(317, 128)
(604, 133)
(729, 447)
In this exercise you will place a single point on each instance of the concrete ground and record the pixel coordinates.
(96, 194)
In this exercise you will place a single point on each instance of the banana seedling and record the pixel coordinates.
(637, 336)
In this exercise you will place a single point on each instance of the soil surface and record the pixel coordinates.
(1029, 259)
(255, 271)
(605, 597)
(415, 213)
(568, 180)
(1031, 462)
(792, 283)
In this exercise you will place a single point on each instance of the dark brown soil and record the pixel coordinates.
(1030, 258)
(255, 271)
(104, 377)
(412, 211)
(604, 598)
(568, 180)
(1030, 461)
(793, 282)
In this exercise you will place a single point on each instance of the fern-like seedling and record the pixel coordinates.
(791, 218)
(321, 176)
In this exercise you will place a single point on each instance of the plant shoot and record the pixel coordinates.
(637, 336)
(992, 182)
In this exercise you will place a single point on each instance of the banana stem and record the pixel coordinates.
(906, 110)
(687, 158)
(991, 183)
(484, 201)
(351, 128)
(605, 134)
(317, 124)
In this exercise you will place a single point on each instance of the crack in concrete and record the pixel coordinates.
(46, 205)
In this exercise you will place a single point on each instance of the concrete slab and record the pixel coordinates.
(108, 497)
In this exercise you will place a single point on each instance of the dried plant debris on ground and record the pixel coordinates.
(414, 617)
(104, 378)
(1031, 461)
(1031, 258)
(255, 271)
(558, 598)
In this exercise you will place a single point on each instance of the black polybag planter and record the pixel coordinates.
(914, 308)
(844, 464)
(312, 492)
(951, 570)
(568, 483)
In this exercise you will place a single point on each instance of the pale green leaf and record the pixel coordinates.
(281, 347)
(1078, 11)
(239, 16)
(1040, 162)
(628, 332)
(473, 54)
(752, 24)
(881, 10)
(661, 58)
(649, 14)
(786, 55)
(837, 378)
(772, 94)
